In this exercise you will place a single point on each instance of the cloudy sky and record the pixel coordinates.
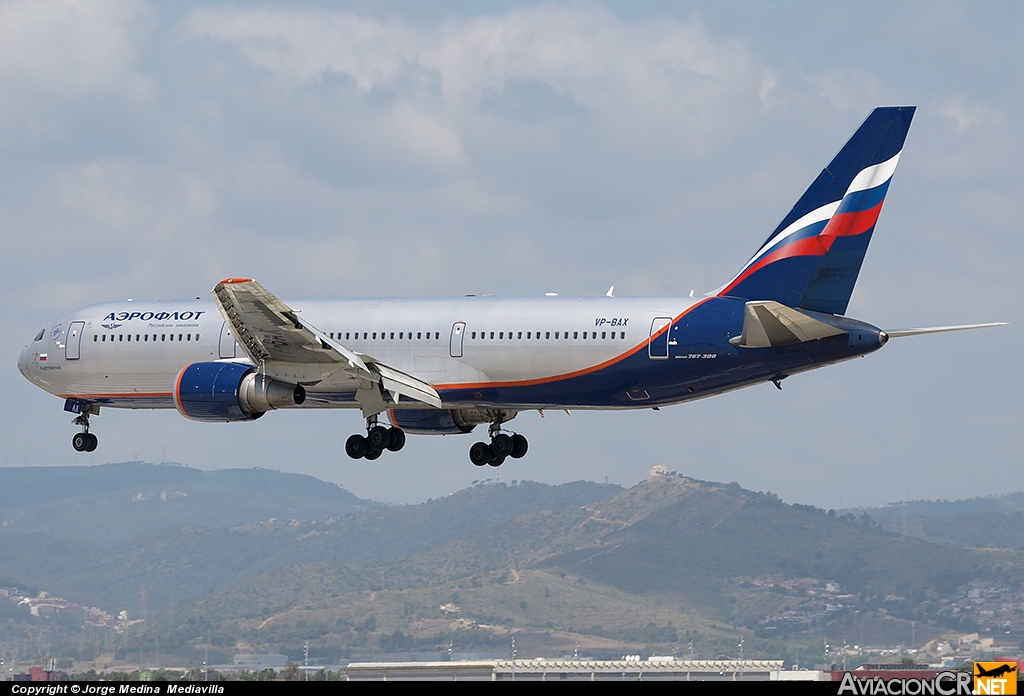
(427, 149)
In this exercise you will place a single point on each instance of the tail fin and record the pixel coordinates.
(813, 257)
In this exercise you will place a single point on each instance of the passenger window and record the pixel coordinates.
(392, 335)
(547, 334)
(437, 335)
(622, 334)
(604, 334)
(519, 335)
(419, 335)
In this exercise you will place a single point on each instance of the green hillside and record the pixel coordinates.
(107, 504)
(992, 521)
(168, 564)
(667, 561)
(670, 562)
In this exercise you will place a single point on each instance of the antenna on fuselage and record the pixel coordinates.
(610, 291)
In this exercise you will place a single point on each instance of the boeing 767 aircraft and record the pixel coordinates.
(445, 366)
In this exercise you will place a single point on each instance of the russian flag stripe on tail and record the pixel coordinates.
(813, 257)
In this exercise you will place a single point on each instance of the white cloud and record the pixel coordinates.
(52, 52)
(652, 71)
(966, 116)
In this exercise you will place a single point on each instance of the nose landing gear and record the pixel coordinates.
(377, 439)
(83, 441)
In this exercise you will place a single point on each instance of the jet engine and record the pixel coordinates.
(432, 421)
(216, 392)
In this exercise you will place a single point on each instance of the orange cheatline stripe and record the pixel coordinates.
(229, 281)
(577, 373)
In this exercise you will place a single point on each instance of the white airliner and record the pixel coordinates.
(443, 366)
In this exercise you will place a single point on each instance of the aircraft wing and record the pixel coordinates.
(768, 323)
(287, 348)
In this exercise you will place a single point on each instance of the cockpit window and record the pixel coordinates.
(39, 336)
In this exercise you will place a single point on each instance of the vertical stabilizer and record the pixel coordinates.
(813, 257)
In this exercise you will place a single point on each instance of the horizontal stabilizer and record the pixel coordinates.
(899, 333)
(767, 323)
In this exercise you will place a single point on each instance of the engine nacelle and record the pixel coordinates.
(225, 391)
(426, 421)
(432, 421)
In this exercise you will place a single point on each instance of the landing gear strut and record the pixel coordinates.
(502, 445)
(83, 441)
(378, 438)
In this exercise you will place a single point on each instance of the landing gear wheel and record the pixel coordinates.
(397, 439)
(372, 454)
(501, 445)
(80, 441)
(378, 438)
(90, 446)
(480, 454)
(497, 461)
(356, 447)
(519, 446)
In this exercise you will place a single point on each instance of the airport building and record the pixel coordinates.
(652, 669)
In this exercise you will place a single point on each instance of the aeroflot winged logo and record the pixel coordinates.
(995, 677)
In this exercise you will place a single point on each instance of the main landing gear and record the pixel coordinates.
(83, 441)
(377, 439)
(501, 446)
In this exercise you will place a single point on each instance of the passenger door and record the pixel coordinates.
(455, 344)
(73, 342)
(657, 348)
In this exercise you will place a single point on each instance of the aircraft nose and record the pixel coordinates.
(24, 360)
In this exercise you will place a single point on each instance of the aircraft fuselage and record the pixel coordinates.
(478, 352)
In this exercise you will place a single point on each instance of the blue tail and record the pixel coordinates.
(813, 257)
